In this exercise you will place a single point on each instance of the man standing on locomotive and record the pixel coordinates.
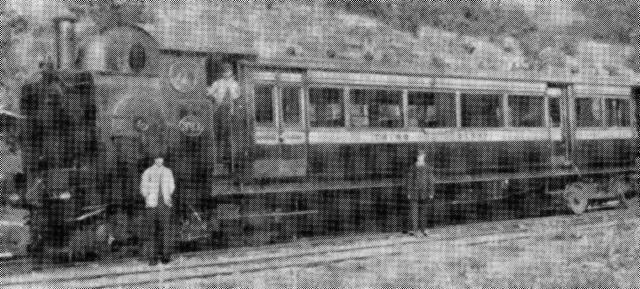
(418, 187)
(224, 93)
(157, 187)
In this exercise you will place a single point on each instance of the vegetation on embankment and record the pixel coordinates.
(593, 38)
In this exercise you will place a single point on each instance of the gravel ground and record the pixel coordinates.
(551, 254)
(560, 259)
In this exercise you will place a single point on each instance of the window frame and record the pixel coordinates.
(500, 95)
(349, 106)
(309, 106)
(454, 97)
(280, 99)
(544, 107)
(597, 99)
(630, 110)
(274, 109)
(550, 115)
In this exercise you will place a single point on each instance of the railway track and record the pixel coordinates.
(313, 252)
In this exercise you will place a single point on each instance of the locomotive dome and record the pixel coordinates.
(125, 49)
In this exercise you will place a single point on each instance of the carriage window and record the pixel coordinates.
(588, 112)
(554, 111)
(617, 112)
(428, 109)
(291, 105)
(264, 105)
(526, 111)
(326, 107)
(481, 110)
(376, 108)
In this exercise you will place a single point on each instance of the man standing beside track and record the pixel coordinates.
(157, 186)
(418, 187)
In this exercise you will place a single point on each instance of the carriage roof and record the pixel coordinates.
(308, 64)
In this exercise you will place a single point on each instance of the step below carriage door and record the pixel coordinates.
(562, 126)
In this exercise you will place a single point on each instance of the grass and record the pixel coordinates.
(606, 259)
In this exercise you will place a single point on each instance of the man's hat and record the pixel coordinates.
(154, 154)
(226, 66)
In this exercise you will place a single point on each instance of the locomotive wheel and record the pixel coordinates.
(15, 240)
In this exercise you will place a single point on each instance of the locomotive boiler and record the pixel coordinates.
(319, 146)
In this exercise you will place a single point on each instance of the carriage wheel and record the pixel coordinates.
(626, 202)
(576, 201)
(618, 186)
(577, 205)
(576, 197)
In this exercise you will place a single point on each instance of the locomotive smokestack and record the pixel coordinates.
(65, 42)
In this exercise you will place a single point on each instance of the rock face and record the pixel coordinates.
(292, 29)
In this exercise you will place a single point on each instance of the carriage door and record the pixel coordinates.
(279, 135)
(290, 125)
(635, 93)
(562, 127)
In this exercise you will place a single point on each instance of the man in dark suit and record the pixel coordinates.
(419, 188)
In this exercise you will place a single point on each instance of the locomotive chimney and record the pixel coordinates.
(65, 42)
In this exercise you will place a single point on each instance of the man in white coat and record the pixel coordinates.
(157, 186)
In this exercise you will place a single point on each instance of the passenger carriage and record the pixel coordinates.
(357, 126)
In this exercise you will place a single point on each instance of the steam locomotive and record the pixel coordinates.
(320, 146)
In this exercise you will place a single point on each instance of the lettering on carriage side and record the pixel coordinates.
(271, 137)
(594, 134)
(426, 135)
(390, 137)
(292, 137)
(266, 137)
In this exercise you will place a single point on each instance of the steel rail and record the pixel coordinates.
(331, 251)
